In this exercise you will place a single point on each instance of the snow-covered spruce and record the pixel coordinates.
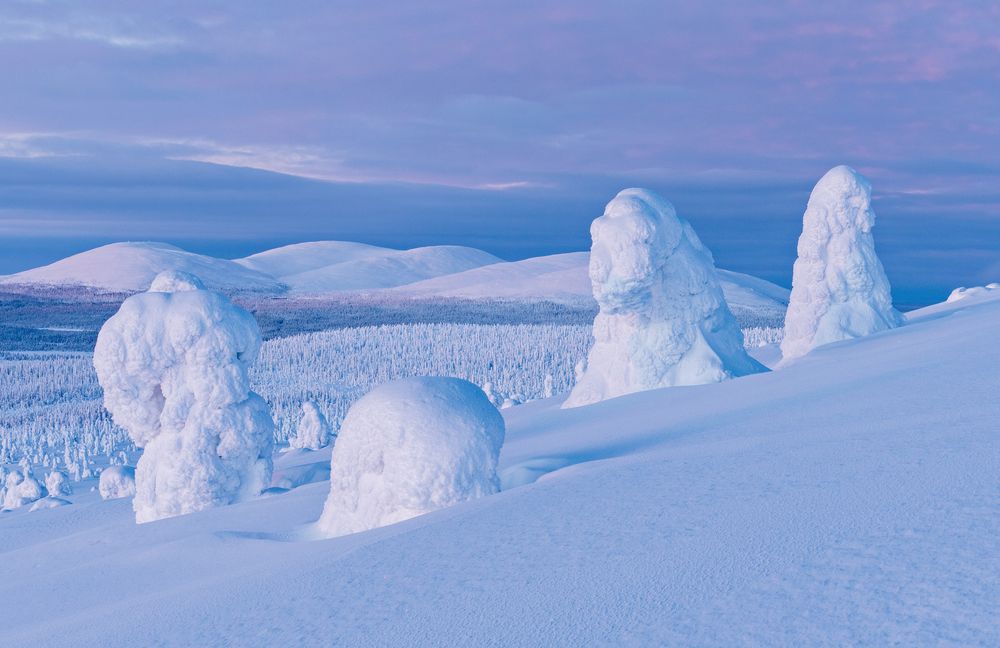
(663, 320)
(117, 482)
(57, 483)
(839, 288)
(313, 431)
(410, 447)
(173, 365)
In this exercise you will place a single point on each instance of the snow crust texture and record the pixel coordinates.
(411, 447)
(313, 431)
(173, 366)
(662, 320)
(839, 288)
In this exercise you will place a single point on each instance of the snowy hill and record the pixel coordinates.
(130, 267)
(302, 257)
(389, 269)
(564, 277)
(851, 498)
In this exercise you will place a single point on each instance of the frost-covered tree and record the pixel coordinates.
(21, 488)
(663, 320)
(117, 482)
(313, 431)
(410, 447)
(57, 483)
(173, 365)
(839, 288)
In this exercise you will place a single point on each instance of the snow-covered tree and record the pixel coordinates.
(117, 482)
(839, 288)
(663, 320)
(313, 431)
(21, 488)
(57, 483)
(410, 447)
(173, 365)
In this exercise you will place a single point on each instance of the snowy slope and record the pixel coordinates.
(393, 268)
(564, 276)
(302, 257)
(131, 266)
(850, 498)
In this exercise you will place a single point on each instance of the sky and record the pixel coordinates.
(230, 127)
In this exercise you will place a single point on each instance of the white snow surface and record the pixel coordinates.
(393, 268)
(839, 288)
(313, 431)
(173, 367)
(410, 447)
(302, 257)
(663, 320)
(560, 277)
(132, 266)
(973, 291)
(851, 498)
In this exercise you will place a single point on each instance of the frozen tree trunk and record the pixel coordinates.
(839, 288)
(663, 320)
(173, 366)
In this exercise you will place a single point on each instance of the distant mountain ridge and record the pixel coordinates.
(328, 267)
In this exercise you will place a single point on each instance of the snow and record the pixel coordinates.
(57, 483)
(20, 488)
(313, 432)
(131, 267)
(839, 288)
(117, 482)
(560, 277)
(173, 367)
(302, 257)
(408, 448)
(850, 498)
(394, 268)
(974, 291)
(663, 320)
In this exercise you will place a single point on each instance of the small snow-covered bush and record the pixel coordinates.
(663, 319)
(117, 482)
(313, 432)
(173, 365)
(839, 288)
(410, 447)
(57, 483)
(21, 488)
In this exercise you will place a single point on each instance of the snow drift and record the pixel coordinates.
(411, 447)
(173, 366)
(839, 288)
(663, 320)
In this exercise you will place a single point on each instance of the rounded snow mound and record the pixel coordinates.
(663, 319)
(117, 482)
(173, 366)
(839, 288)
(973, 291)
(411, 447)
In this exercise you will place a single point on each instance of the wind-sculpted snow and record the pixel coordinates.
(173, 366)
(839, 288)
(663, 320)
(411, 447)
